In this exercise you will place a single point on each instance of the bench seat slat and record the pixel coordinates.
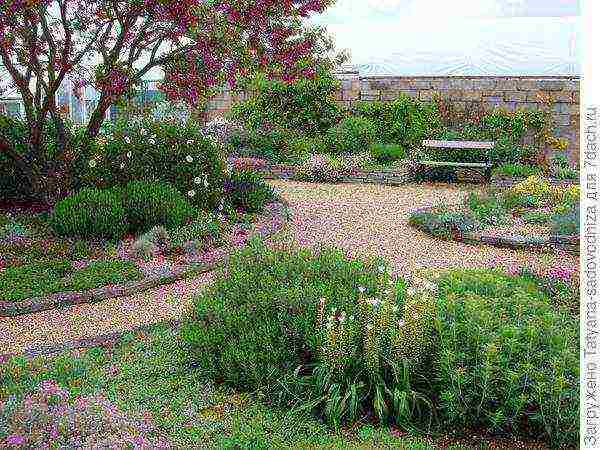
(455, 164)
(459, 144)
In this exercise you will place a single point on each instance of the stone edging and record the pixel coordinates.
(392, 177)
(534, 243)
(505, 182)
(267, 225)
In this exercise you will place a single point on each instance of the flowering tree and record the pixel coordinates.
(112, 44)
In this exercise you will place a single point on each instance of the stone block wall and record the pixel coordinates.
(491, 91)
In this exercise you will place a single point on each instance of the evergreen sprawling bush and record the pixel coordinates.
(306, 106)
(351, 135)
(247, 190)
(154, 203)
(90, 213)
(508, 360)
(154, 150)
(387, 153)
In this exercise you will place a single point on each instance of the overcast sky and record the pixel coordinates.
(412, 37)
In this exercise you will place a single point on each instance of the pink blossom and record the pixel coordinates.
(16, 439)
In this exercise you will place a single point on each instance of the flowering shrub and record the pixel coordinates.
(351, 135)
(508, 359)
(170, 151)
(321, 169)
(46, 418)
(534, 186)
(487, 209)
(90, 213)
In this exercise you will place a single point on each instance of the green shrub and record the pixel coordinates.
(487, 209)
(351, 135)
(517, 170)
(307, 106)
(149, 204)
(90, 213)
(404, 121)
(314, 330)
(536, 217)
(387, 153)
(276, 145)
(247, 190)
(443, 223)
(508, 361)
(567, 173)
(153, 150)
(566, 223)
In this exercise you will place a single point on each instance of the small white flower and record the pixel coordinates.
(369, 327)
(190, 142)
(221, 206)
(197, 180)
(381, 269)
(411, 292)
(431, 286)
(127, 140)
(205, 182)
(395, 309)
(189, 158)
(92, 163)
(152, 141)
(374, 302)
(122, 166)
(401, 323)
(129, 154)
(191, 193)
(351, 318)
(361, 289)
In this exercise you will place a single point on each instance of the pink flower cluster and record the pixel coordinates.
(562, 273)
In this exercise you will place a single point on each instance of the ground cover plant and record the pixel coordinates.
(51, 276)
(554, 210)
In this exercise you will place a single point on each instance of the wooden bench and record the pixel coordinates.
(463, 145)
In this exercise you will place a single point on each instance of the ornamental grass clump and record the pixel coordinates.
(49, 418)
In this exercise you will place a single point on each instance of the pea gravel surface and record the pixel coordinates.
(362, 219)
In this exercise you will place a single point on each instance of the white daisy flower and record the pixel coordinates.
(190, 142)
(122, 166)
(129, 154)
(205, 182)
(189, 158)
(401, 323)
(197, 180)
(127, 140)
(381, 269)
(92, 163)
(152, 141)
(361, 289)
(374, 302)
(191, 193)
(143, 132)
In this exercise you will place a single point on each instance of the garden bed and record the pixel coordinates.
(143, 275)
(533, 214)
(506, 182)
(512, 236)
(397, 175)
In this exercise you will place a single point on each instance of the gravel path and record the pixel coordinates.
(361, 219)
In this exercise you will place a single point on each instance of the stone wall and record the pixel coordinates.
(493, 91)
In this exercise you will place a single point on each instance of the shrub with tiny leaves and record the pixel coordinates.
(351, 135)
(508, 359)
(247, 190)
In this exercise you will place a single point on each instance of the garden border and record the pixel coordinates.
(506, 182)
(267, 225)
(534, 243)
(389, 177)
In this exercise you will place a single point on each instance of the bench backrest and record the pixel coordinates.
(465, 145)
